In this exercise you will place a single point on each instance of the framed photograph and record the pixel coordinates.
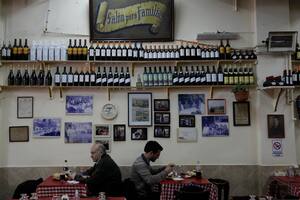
(78, 132)
(139, 109)
(215, 126)
(24, 107)
(162, 131)
(216, 106)
(119, 132)
(276, 126)
(102, 130)
(186, 120)
(18, 134)
(241, 113)
(161, 105)
(46, 127)
(191, 104)
(106, 143)
(162, 118)
(139, 133)
(82, 105)
(187, 135)
(132, 20)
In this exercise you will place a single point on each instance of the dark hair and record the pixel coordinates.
(153, 146)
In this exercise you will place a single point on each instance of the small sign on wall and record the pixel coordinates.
(277, 149)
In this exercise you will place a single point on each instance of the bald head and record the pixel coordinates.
(97, 151)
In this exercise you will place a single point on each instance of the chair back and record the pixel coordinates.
(129, 189)
(26, 187)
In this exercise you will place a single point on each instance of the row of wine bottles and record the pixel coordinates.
(15, 52)
(208, 75)
(85, 77)
(288, 78)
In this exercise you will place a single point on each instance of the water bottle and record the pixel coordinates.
(76, 196)
(198, 170)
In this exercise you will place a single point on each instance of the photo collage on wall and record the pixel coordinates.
(162, 118)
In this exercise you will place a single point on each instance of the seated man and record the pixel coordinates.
(104, 176)
(144, 176)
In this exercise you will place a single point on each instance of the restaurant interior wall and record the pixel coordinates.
(209, 151)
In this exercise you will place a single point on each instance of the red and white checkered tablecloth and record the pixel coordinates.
(293, 183)
(168, 187)
(295, 189)
(51, 187)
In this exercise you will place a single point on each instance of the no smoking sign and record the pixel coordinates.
(277, 148)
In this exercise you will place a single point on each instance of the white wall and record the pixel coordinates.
(192, 17)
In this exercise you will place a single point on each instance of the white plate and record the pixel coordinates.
(178, 179)
(73, 182)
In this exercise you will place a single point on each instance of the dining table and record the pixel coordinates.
(293, 183)
(169, 186)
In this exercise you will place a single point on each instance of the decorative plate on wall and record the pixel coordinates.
(109, 111)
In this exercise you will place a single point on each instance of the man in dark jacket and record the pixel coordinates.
(104, 176)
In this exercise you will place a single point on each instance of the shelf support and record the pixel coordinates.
(60, 92)
(132, 69)
(108, 93)
(211, 92)
(50, 92)
(168, 92)
(277, 99)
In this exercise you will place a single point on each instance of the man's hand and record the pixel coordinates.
(169, 168)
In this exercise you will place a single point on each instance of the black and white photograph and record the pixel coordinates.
(24, 107)
(216, 106)
(46, 127)
(275, 126)
(102, 130)
(191, 104)
(139, 109)
(215, 126)
(139, 133)
(79, 105)
(186, 120)
(119, 132)
(162, 131)
(106, 143)
(161, 105)
(187, 135)
(18, 134)
(241, 113)
(162, 118)
(78, 132)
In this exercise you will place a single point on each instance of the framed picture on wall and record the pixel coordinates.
(162, 118)
(139, 109)
(78, 132)
(24, 107)
(215, 126)
(216, 106)
(46, 127)
(241, 113)
(132, 20)
(191, 104)
(187, 135)
(139, 133)
(187, 120)
(276, 126)
(79, 105)
(102, 130)
(161, 105)
(18, 134)
(119, 132)
(162, 131)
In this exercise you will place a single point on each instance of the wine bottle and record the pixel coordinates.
(75, 51)
(141, 51)
(98, 77)
(11, 78)
(165, 77)
(64, 77)
(119, 53)
(235, 76)
(214, 76)
(113, 52)
(116, 77)
(41, 77)
(110, 78)
(76, 78)
(295, 76)
(155, 77)
(186, 76)
(241, 76)
(3, 52)
(15, 50)
(26, 51)
(246, 76)
(9, 51)
(160, 77)
(192, 75)
(97, 52)
(124, 52)
(48, 79)
(180, 77)
(222, 50)
(208, 76)
(170, 76)
(182, 52)
(122, 77)
(108, 52)
(193, 52)
(81, 77)
(145, 78)
(103, 52)
(84, 51)
(129, 52)
(228, 50)
(33, 77)
(93, 77)
(150, 77)
(57, 77)
(87, 77)
(197, 76)
(175, 79)
(220, 76)
(18, 78)
(70, 78)
(187, 52)
(127, 78)
(20, 51)
(70, 50)
(203, 76)
(26, 78)
(104, 78)
(135, 52)
(251, 76)
(226, 78)
(91, 52)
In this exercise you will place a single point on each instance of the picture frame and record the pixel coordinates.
(191, 104)
(119, 132)
(105, 142)
(241, 113)
(78, 132)
(24, 107)
(187, 135)
(276, 127)
(46, 127)
(162, 118)
(162, 131)
(132, 21)
(161, 105)
(215, 126)
(216, 106)
(19, 134)
(140, 109)
(79, 105)
(102, 130)
(187, 121)
(139, 133)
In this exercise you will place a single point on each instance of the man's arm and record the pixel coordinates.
(144, 172)
(157, 170)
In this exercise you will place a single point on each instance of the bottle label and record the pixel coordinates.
(108, 53)
(70, 78)
(98, 80)
(127, 80)
(246, 79)
(3, 53)
(214, 77)
(93, 77)
(87, 78)
(130, 52)
(135, 54)
(168, 55)
(193, 52)
(198, 79)
(159, 56)
(172, 54)
(154, 55)
(84, 51)
(103, 51)
(146, 55)
(8, 53)
(212, 54)
(181, 80)
(75, 78)
(57, 78)
(69, 51)
(298, 55)
(251, 79)
(225, 80)
(228, 50)
(124, 52)
(91, 53)
(208, 78)
(222, 50)
(177, 54)
(113, 53)
(141, 52)
(182, 52)
(193, 79)
(187, 52)
(81, 78)
(295, 77)
(104, 80)
(207, 54)
(220, 77)
(121, 80)
(116, 80)
(110, 80)
(198, 52)
(119, 53)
